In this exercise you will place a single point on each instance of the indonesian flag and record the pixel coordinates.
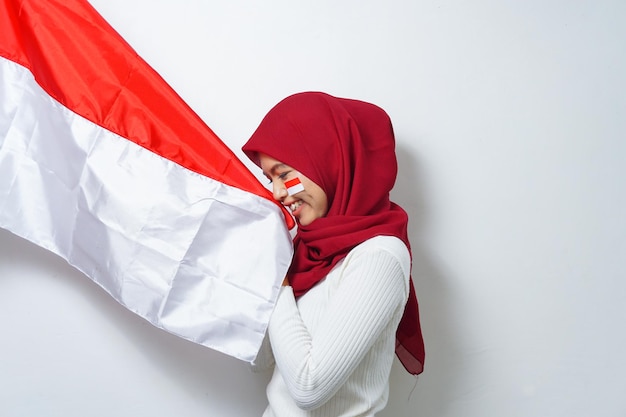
(102, 163)
(294, 186)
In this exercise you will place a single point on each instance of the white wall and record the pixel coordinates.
(510, 118)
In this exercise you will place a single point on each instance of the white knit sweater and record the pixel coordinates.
(334, 347)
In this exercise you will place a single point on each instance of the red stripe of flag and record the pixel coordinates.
(294, 186)
(100, 77)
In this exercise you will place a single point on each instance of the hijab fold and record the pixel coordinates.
(347, 147)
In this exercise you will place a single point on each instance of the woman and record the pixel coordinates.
(343, 309)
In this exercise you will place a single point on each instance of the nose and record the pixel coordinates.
(279, 190)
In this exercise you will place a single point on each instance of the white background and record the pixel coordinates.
(510, 118)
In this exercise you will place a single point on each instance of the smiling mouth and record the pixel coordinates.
(294, 206)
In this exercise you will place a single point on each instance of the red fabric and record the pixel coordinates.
(347, 147)
(81, 61)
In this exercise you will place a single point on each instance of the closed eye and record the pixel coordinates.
(280, 176)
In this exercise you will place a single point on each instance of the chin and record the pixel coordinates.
(304, 221)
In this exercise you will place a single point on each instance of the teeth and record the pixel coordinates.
(295, 205)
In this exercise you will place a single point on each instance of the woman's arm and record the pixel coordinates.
(373, 286)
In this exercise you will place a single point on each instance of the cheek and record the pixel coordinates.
(324, 208)
(321, 203)
(317, 197)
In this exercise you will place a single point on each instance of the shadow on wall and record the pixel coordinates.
(435, 387)
(206, 378)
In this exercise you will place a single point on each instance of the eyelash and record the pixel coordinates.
(282, 176)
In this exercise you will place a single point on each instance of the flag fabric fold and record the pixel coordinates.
(102, 163)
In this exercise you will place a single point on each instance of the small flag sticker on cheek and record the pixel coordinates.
(294, 186)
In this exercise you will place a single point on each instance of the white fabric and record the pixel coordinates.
(191, 255)
(334, 348)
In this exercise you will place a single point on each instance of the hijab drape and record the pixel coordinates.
(347, 147)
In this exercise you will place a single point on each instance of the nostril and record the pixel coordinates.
(279, 197)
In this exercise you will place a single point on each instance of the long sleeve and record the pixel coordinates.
(319, 341)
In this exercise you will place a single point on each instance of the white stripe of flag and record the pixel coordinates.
(294, 186)
(192, 255)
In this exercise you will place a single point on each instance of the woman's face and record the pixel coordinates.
(306, 205)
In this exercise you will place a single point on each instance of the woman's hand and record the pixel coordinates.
(285, 282)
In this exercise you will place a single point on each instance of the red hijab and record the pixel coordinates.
(346, 147)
